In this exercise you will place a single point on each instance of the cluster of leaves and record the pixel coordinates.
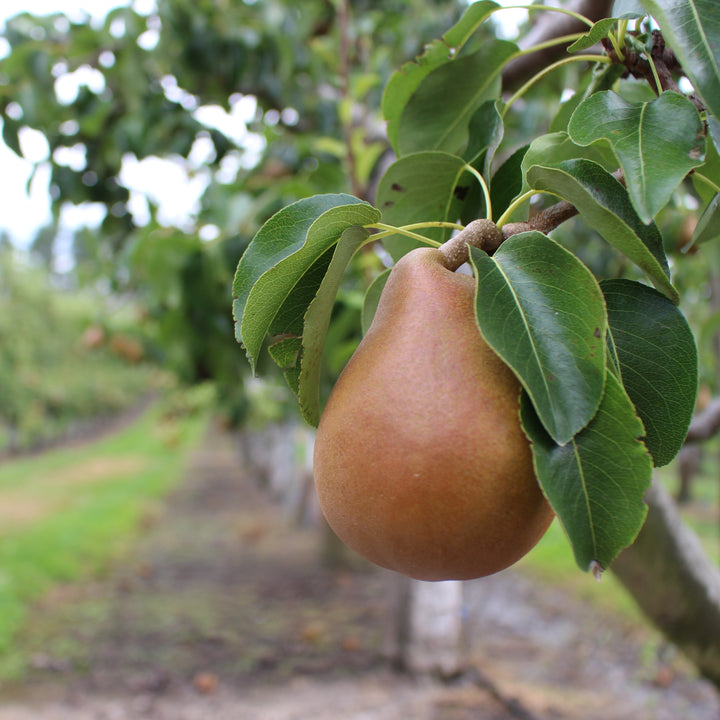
(608, 364)
(182, 285)
(49, 379)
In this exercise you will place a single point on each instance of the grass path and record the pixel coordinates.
(67, 513)
(221, 610)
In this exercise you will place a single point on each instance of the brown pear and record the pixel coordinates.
(421, 464)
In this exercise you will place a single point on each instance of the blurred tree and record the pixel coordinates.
(257, 103)
(59, 367)
(136, 87)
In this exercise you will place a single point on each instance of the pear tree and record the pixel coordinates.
(598, 341)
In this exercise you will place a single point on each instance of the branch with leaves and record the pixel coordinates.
(608, 364)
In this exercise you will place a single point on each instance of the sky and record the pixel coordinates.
(174, 186)
(23, 207)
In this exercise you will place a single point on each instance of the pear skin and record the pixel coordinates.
(420, 462)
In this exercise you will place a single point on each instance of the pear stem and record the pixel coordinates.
(483, 234)
(545, 221)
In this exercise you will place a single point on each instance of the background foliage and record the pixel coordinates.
(63, 358)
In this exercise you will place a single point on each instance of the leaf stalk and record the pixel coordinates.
(707, 181)
(485, 190)
(407, 230)
(561, 40)
(548, 8)
(538, 76)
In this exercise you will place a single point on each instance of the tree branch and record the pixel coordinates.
(705, 424)
(545, 221)
(550, 25)
(551, 217)
(674, 583)
(663, 60)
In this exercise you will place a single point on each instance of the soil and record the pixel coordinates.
(224, 610)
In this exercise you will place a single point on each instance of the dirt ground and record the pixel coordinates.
(222, 610)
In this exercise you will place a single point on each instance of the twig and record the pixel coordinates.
(551, 217)
(344, 31)
(705, 424)
(658, 70)
(545, 221)
(483, 234)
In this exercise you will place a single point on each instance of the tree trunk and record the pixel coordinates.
(674, 583)
(425, 632)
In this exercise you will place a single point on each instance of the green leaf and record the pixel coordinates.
(286, 354)
(596, 482)
(708, 227)
(597, 32)
(542, 311)
(604, 203)
(710, 169)
(562, 117)
(437, 115)
(10, 136)
(486, 133)
(630, 9)
(406, 80)
(552, 148)
(658, 362)
(635, 91)
(289, 322)
(605, 76)
(657, 143)
(317, 320)
(507, 182)
(714, 131)
(422, 187)
(371, 300)
(555, 147)
(281, 253)
(692, 29)
(282, 235)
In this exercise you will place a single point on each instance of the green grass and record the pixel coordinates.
(65, 514)
(551, 562)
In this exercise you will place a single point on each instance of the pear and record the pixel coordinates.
(420, 462)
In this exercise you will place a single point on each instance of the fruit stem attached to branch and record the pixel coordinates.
(483, 234)
(545, 221)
